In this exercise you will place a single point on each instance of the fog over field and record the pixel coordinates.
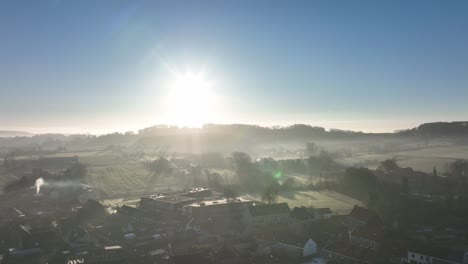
(233, 132)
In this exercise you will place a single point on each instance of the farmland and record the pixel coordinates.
(337, 202)
(118, 178)
(422, 159)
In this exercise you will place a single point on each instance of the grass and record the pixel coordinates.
(422, 159)
(426, 164)
(114, 180)
(337, 202)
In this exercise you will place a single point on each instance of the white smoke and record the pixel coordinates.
(39, 183)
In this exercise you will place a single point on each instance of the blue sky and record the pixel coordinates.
(100, 66)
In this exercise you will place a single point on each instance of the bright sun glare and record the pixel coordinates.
(191, 99)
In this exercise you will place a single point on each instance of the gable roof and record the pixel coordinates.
(301, 213)
(369, 232)
(269, 209)
(323, 210)
(344, 249)
(364, 215)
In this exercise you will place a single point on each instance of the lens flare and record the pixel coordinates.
(191, 100)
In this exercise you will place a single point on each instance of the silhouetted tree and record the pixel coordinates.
(213, 179)
(388, 165)
(229, 193)
(311, 149)
(360, 181)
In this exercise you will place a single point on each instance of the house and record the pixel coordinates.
(367, 237)
(322, 213)
(301, 218)
(200, 194)
(218, 216)
(426, 254)
(91, 211)
(345, 252)
(301, 214)
(159, 256)
(289, 251)
(164, 202)
(267, 214)
(360, 216)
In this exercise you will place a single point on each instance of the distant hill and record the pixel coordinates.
(241, 137)
(15, 134)
(438, 129)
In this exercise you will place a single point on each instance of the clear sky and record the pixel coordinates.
(99, 66)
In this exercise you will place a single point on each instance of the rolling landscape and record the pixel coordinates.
(233, 132)
(118, 166)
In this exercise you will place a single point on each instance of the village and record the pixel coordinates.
(200, 225)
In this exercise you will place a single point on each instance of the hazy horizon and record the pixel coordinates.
(366, 126)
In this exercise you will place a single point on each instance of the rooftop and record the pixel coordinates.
(112, 248)
(220, 202)
(438, 252)
(171, 198)
(325, 210)
(348, 250)
(364, 215)
(301, 213)
(269, 209)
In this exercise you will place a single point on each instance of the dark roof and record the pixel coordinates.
(369, 232)
(269, 209)
(323, 210)
(352, 251)
(364, 215)
(199, 257)
(301, 213)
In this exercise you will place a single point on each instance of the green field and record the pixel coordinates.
(111, 174)
(114, 180)
(422, 159)
(114, 175)
(338, 203)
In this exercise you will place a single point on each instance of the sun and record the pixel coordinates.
(191, 99)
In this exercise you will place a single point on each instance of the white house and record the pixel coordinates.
(431, 255)
(309, 249)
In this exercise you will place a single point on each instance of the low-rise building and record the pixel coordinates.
(361, 216)
(345, 252)
(322, 213)
(367, 237)
(164, 202)
(267, 214)
(302, 217)
(309, 248)
(425, 254)
(218, 216)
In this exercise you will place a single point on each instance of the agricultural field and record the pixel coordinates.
(338, 203)
(114, 180)
(422, 159)
(113, 175)
(130, 179)
(426, 164)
